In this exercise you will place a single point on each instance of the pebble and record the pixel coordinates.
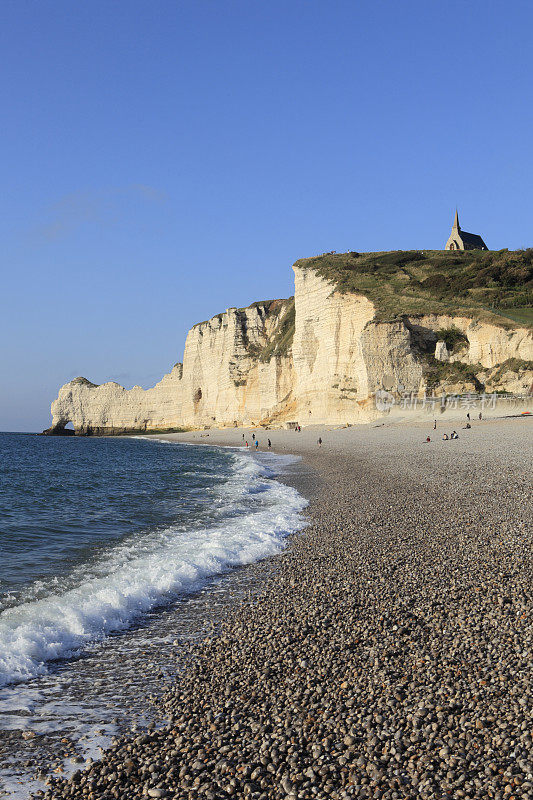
(388, 655)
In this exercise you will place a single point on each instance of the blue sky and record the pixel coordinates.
(163, 160)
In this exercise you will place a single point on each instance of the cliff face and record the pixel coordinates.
(341, 356)
(111, 409)
(225, 379)
(319, 358)
(485, 344)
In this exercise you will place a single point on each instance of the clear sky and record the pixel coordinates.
(163, 160)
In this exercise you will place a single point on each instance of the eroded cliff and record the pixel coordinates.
(319, 357)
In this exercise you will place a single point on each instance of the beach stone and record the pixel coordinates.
(387, 655)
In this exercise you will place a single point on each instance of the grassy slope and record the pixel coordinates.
(493, 286)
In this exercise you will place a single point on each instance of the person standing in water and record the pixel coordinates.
(256, 443)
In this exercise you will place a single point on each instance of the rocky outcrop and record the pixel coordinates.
(318, 358)
(488, 345)
(110, 409)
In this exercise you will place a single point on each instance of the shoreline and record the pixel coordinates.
(386, 658)
(162, 634)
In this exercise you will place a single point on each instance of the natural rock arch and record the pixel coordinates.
(61, 428)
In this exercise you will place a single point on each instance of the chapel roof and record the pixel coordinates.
(472, 239)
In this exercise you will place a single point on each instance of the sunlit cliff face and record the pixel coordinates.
(318, 359)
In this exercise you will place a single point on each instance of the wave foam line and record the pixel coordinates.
(148, 571)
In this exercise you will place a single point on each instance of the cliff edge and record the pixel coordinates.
(357, 323)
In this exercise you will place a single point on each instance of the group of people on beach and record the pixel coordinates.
(256, 442)
(454, 434)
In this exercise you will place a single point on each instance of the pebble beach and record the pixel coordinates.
(388, 653)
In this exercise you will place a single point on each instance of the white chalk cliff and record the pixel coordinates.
(318, 358)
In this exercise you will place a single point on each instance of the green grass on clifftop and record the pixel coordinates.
(493, 286)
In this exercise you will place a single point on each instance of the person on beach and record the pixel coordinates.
(468, 416)
(445, 437)
(243, 437)
(253, 436)
(320, 441)
(428, 439)
(467, 426)
(434, 424)
(454, 435)
(269, 444)
(480, 416)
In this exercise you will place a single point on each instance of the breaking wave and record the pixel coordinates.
(251, 516)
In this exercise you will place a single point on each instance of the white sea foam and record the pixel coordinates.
(253, 515)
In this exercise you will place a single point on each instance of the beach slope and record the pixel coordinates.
(389, 654)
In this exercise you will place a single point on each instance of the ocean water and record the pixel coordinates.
(96, 535)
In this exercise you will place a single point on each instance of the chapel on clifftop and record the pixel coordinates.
(461, 240)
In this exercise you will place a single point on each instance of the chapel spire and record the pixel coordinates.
(456, 221)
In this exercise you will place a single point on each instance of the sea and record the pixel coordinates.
(115, 553)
